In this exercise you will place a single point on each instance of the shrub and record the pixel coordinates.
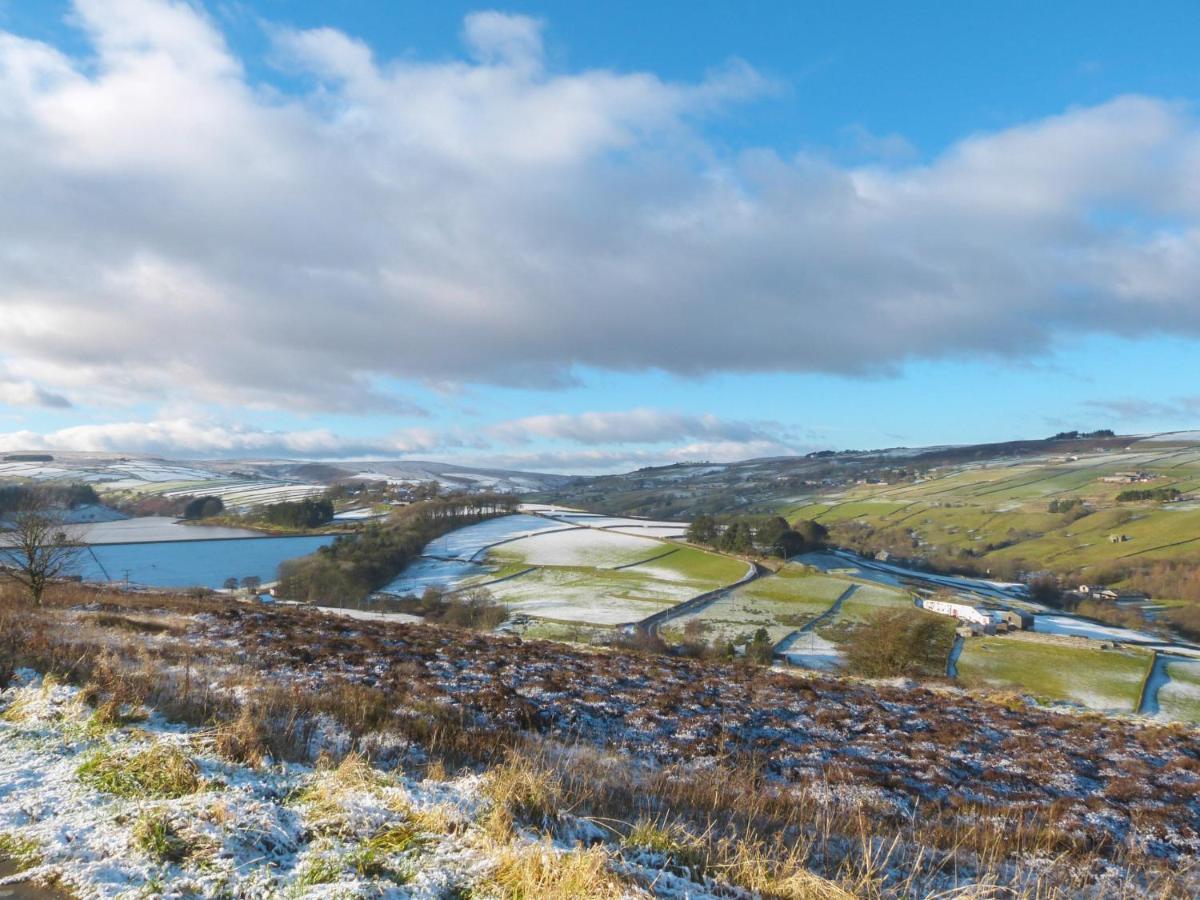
(899, 642)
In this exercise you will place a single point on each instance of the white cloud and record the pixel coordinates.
(637, 426)
(171, 228)
(27, 393)
(183, 437)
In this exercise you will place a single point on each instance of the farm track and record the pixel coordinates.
(787, 640)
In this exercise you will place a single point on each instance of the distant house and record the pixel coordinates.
(1127, 478)
(1016, 619)
(979, 619)
(1118, 538)
(963, 611)
(883, 556)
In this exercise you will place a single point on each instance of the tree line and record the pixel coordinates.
(761, 535)
(356, 565)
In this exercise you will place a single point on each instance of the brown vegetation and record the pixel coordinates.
(762, 778)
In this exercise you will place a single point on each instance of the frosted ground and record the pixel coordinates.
(580, 547)
(590, 596)
(781, 603)
(1068, 625)
(454, 560)
(242, 831)
(469, 542)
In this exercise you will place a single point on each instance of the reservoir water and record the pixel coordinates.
(194, 563)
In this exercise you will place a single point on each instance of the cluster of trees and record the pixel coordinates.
(475, 608)
(203, 507)
(1077, 435)
(1158, 493)
(764, 535)
(312, 512)
(65, 496)
(899, 642)
(1072, 509)
(355, 565)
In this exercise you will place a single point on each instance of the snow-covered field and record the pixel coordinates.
(580, 547)
(1069, 625)
(600, 598)
(811, 651)
(469, 542)
(442, 573)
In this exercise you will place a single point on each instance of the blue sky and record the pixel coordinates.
(587, 237)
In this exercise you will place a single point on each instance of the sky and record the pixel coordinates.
(590, 237)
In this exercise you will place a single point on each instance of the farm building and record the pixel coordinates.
(980, 618)
(964, 611)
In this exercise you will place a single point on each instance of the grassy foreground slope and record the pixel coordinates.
(704, 774)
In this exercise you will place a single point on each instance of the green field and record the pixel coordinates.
(1179, 699)
(781, 603)
(999, 511)
(1095, 678)
(694, 566)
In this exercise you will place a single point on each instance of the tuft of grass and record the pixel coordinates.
(522, 790)
(669, 840)
(539, 871)
(325, 795)
(18, 710)
(154, 834)
(243, 740)
(108, 716)
(396, 838)
(319, 870)
(160, 772)
(783, 876)
(24, 853)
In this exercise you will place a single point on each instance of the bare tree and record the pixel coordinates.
(37, 546)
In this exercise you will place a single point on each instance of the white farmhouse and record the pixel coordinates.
(964, 611)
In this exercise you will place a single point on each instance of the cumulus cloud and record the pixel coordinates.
(27, 393)
(171, 227)
(192, 438)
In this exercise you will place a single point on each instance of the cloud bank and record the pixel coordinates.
(576, 442)
(171, 227)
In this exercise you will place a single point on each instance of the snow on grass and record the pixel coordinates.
(781, 603)
(580, 547)
(654, 531)
(1179, 698)
(811, 651)
(696, 567)
(587, 595)
(468, 542)
(441, 573)
(73, 809)
(1069, 625)
(1056, 671)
